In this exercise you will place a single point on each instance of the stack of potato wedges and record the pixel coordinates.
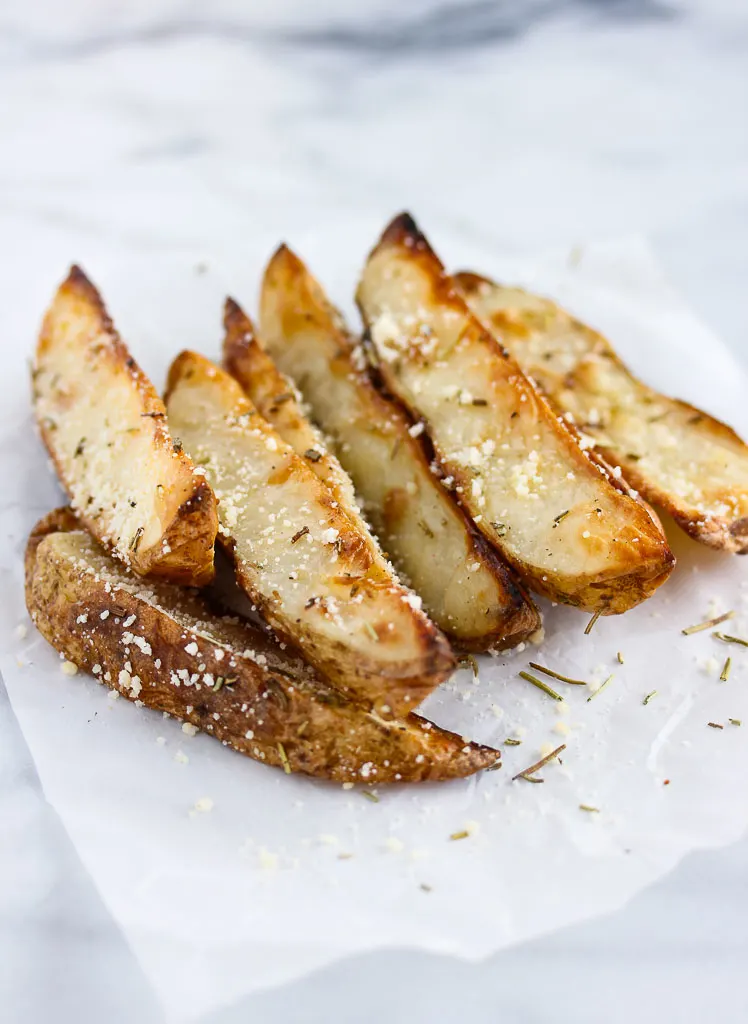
(381, 501)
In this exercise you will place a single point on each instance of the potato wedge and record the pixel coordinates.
(466, 588)
(276, 399)
(675, 455)
(298, 556)
(164, 646)
(105, 428)
(554, 513)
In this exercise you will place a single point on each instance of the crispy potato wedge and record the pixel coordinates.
(276, 399)
(163, 645)
(555, 514)
(466, 588)
(105, 428)
(675, 455)
(299, 557)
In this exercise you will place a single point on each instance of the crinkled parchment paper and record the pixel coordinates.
(285, 874)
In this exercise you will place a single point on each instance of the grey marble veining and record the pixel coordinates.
(179, 124)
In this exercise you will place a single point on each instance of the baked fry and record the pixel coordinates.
(164, 646)
(557, 516)
(303, 562)
(675, 455)
(105, 428)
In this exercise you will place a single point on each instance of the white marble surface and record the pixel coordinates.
(175, 124)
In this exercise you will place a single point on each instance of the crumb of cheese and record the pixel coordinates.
(268, 861)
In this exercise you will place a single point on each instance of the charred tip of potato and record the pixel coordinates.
(78, 280)
(285, 260)
(403, 230)
(468, 756)
(78, 283)
(235, 320)
(668, 558)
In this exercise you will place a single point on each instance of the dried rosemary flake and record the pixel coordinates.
(541, 685)
(312, 454)
(460, 835)
(591, 623)
(731, 639)
(600, 688)
(495, 766)
(510, 742)
(734, 721)
(557, 675)
(715, 725)
(426, 528)
(302, 728)
(135, 542)
(560, 517)
(707, 624)
(371, 631)
(725, 673)
(370, 796)
(589, 808)
(284, 759)
(649, 697)
(527, 772)
(299, 534)
(620, 658)
(218, 684)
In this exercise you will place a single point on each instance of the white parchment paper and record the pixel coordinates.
(287, 874)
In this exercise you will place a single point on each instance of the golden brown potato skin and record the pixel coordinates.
(105, 429)
(677, 456)
(583, 540)
(293, 718)
(466, 588)
(302, 561)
